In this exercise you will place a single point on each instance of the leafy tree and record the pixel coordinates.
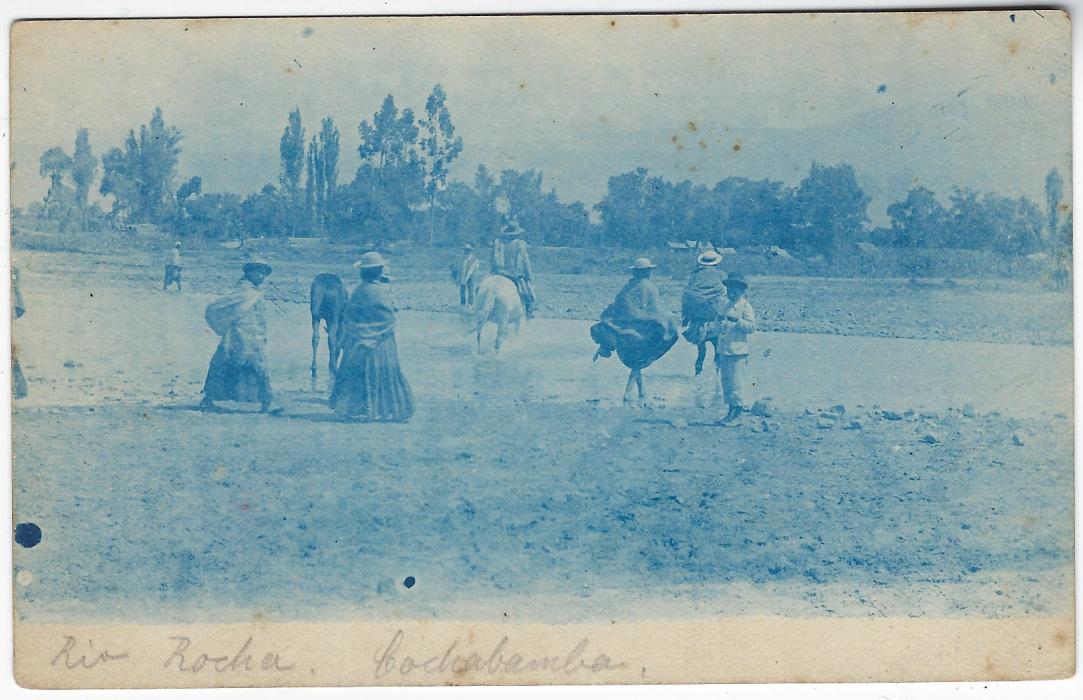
(291, 151)
(140, 175)
(440, 146)
(623, 209)
(829, 207)
(1054, 195)
(265, 213)
(919, 221)
(325, 170)
(54, 163)
(84, 166)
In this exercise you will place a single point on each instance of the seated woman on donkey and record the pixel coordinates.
(635, 327)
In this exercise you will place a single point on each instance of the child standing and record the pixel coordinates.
(737, 321)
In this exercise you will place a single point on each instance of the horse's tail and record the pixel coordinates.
(484, 303)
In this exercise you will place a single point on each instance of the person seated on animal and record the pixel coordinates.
(635, 326)
(173, 267)
(514, 263)
(701, 303)
(736, 322)
(468, 275)
(238, 370)
(369, 383)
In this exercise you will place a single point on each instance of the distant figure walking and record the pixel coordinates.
(497, 301)
(326, 301)
(701, 303)
(369, 384)
(238, 370)
(515, 265)
(635, 326)
(736, 322)
(18, 310)
(173, 267)
(469, 274)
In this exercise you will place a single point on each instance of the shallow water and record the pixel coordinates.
(142, 345)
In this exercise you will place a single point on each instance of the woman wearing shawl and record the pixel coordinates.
(701, 303)
(635, 327)
(238, 370)
(369, 384)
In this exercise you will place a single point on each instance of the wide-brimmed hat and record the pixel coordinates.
(642, 264)
(259, 263)
(512, 229)
(467, 246)
(709, 258)
(736, 279)
(371, 259)
(176, 244)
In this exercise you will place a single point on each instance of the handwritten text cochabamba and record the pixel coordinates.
(499, 660)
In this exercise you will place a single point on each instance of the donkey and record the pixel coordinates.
(327, 299)
(497, 300)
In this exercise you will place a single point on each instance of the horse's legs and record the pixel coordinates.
(701, 355)
(628, 387)
(332, 347)
(639, 385)
(501, 332)
(481, 324)
(315, 345)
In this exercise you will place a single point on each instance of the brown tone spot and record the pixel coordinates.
(702, 144)
(1063, 207)
(680, 146)
(673, 138)
(522, 86)
(603, 119)
(692, 126)
(1013, 47)
(674, 22)
(736, 147)
(1060, 638)
(692, 168)
(612, 23)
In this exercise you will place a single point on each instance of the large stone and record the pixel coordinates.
(891, 415)
(968, 410)
(930, 439)
(1017, 440)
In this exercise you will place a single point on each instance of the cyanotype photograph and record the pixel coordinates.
(543, 349)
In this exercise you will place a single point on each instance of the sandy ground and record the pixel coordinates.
(521, 486)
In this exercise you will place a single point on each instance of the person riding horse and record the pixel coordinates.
(511, 259)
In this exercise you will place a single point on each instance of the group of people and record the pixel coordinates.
(714, 311)
(369, 383)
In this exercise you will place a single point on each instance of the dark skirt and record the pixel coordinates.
(638, 343)
(370, 384)
(234, 379)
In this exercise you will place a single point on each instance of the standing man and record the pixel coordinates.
(173, 267)
(18, 308)
(238, 370)
(469, 274)
(516, 266)
(737, 321)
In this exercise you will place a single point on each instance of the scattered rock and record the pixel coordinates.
(838, 408)
(679, 422)
(1017, 440)
(891, 415)
(968, 410)
(909, 412)
(763, 407)
(854, 425)
(761, 427)
(825, 423)
(930, 439)
(929, 415)
(72, 364)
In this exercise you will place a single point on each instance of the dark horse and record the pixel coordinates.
(327, 299)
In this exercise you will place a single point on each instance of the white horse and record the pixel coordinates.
(496, 300)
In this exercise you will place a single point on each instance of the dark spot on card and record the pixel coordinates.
(881, 88)
(409, 582)
(27, 535)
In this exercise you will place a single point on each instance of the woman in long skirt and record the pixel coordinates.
(369, 384)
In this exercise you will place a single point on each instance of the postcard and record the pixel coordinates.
(550, 349)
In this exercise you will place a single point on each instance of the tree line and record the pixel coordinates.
(401, 191)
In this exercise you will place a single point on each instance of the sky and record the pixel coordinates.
(979, 99)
